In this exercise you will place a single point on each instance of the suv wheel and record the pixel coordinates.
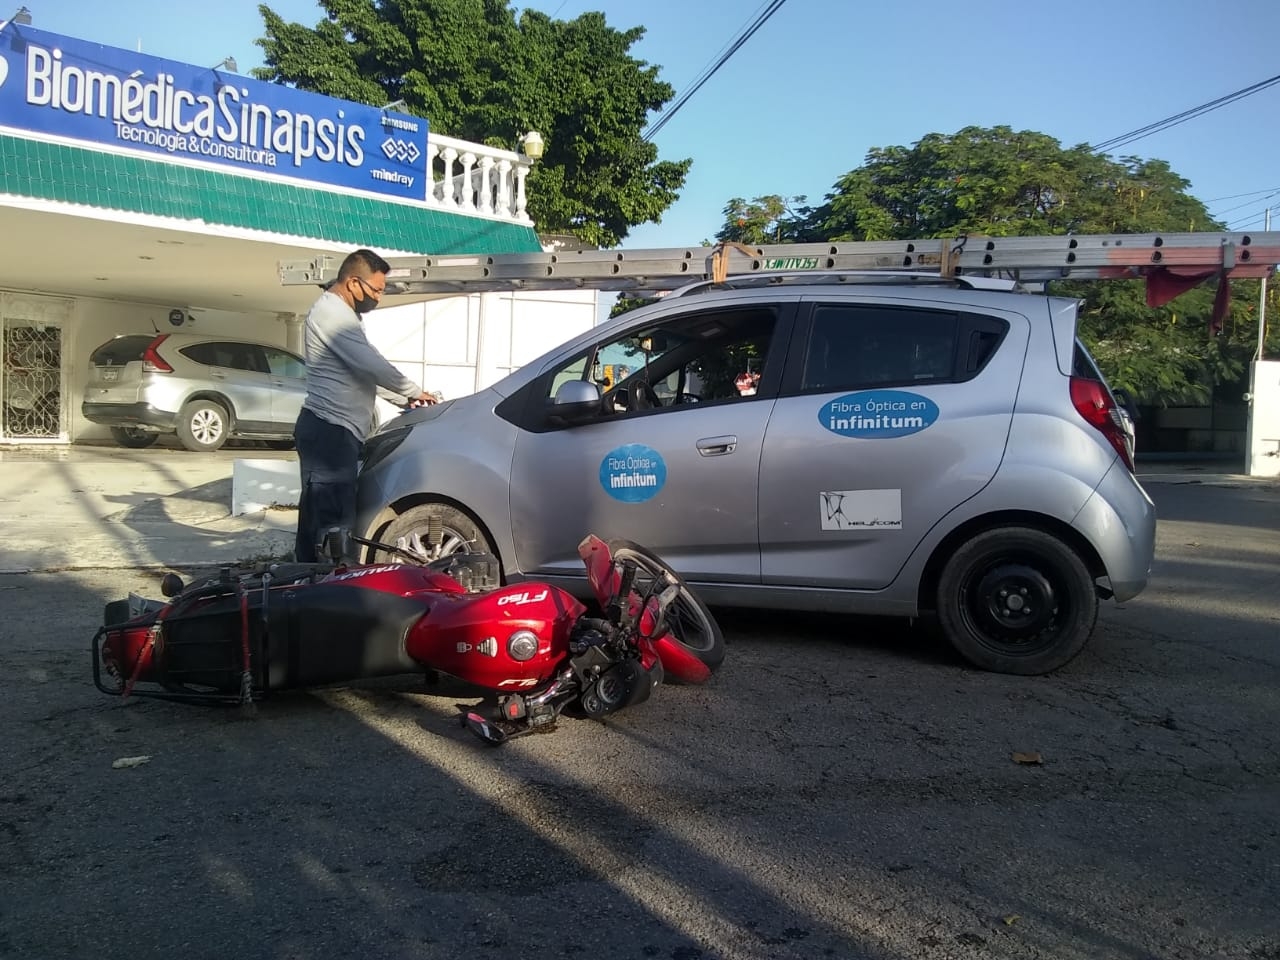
(1017, 600)
(133, 438)
(203, 426)
(458, 532)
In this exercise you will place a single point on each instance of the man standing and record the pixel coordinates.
(344, 372)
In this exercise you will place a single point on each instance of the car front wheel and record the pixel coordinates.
(1017, 600)
(440, 529)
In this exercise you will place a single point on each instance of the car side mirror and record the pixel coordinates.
(576, 400)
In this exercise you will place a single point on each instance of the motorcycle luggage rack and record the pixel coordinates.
(179, 696)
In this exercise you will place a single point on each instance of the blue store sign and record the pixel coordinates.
(86, 92)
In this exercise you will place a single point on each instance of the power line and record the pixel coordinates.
(773, 7)
(1247, 203)
(1141, 133)
(1251, 193)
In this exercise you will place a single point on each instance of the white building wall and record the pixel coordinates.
(460, 345)
(456, 345)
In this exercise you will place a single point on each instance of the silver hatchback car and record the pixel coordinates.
(206, 389)
(857, 444)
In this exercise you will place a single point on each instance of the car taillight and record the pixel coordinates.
(1093, 401)
(152, 362)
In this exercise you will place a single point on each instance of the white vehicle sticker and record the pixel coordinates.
(861, 509)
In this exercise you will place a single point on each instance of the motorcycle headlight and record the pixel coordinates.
(522, 645)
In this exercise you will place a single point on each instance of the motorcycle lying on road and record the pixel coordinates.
(534, 649)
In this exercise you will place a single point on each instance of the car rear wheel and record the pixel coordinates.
(1017, 600)
(133, 438)
(456, 531)
(203, 426)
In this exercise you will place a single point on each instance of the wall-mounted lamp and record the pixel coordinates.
(532, 145)
(229, 63)
(23, 17)
(394, 104)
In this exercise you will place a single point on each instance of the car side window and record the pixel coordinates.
(860, 346)
(699, 358)
(228, 354)
(284, 364)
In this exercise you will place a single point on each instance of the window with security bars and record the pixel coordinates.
(31, 397)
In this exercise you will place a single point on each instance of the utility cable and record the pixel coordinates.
(773, 7)
(1140, 133)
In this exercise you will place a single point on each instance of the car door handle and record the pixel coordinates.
(717, 446)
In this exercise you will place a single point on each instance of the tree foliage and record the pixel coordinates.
(1000, 182)
(479, 73)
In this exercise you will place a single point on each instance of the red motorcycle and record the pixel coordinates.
(535, 649)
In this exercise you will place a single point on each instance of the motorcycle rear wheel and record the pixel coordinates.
(689, 621)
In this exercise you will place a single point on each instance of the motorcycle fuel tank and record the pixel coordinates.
(509, 639)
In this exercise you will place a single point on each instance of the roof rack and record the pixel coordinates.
(809, 278)
(966, 259)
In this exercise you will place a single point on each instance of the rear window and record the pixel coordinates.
(858, 346)
(121, 350)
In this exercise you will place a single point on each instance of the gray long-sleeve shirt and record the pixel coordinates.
(344, 369)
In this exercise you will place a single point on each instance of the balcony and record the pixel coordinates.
(471, 178)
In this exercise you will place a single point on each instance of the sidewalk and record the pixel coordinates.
(81, 506)
(67, 507)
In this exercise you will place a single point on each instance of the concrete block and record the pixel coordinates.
(258, 485)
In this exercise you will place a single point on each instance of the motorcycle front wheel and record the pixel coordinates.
(688, 620)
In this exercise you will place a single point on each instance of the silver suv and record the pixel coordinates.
(207, 389)
(856, 444)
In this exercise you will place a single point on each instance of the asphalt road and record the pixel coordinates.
(843, 788)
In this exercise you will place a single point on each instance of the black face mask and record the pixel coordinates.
(363, 303)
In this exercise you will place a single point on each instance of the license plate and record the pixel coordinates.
(110, 375)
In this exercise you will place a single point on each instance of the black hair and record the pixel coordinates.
(361, 263)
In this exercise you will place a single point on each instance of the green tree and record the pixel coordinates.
(479, 73)
(770, 219)
(1000, 182)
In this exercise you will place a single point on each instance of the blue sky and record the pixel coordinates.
(825, 80)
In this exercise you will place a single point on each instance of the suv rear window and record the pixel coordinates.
(121, 350)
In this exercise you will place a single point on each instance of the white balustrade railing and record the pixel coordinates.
(468, 177)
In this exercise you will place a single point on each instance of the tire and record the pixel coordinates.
(133, 438)
(459, 532)
(690, 622)
(203, 426)
(1017, 600)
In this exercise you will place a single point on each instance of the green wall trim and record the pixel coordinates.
(52, 171)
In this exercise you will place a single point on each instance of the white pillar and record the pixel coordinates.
(486, 185)
(293, 332)
(504, 188)
(466, 200)
(447, 198)
(521, 172)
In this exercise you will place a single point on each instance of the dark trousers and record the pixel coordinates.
(328, 457)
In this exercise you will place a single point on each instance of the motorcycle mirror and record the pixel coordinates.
(483, 729)
(171, 585)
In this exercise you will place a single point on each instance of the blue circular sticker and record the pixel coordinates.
(878, 414)
(633, 473)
